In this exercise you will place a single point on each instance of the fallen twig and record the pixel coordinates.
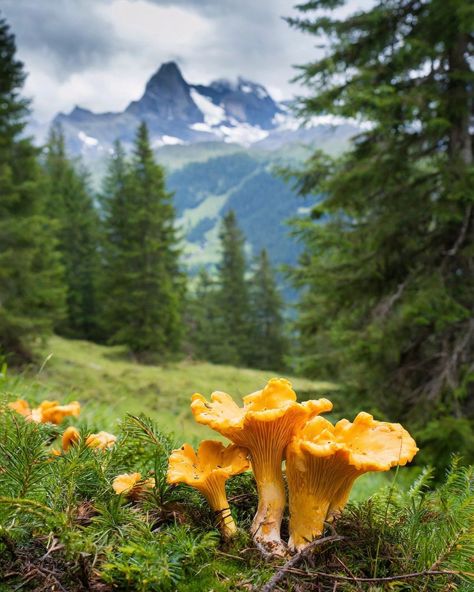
(407, 576)
(280, 574)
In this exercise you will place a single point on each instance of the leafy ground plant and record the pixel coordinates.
(63, 527)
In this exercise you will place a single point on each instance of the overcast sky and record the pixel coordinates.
(99, 53)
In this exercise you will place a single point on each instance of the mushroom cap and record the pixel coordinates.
(125, 482)
(365, 444)
(371, 445)
(47, 411)
(275, 401)
(101, 440)
(53, 412)
(211, 459)
(131, 482)
(70, 436)
(317, 437)
(20, 406)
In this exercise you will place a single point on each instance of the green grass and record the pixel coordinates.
(109, 384)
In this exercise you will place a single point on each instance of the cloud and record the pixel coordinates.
(100, 53)
(67, 35)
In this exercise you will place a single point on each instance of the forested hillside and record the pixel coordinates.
(250, 186)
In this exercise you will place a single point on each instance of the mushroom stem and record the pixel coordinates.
(266, 465)
(312, 482)
(215, 494)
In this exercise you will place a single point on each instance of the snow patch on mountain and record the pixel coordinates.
(242, 133)
(285, 121)
(87, 140)
(213, 114)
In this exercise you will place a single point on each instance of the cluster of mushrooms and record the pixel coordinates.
(47, 411)
(322, 460)
(54, 412)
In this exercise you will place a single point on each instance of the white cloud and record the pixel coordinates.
(99, 54)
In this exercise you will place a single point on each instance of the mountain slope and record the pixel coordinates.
(263, 203)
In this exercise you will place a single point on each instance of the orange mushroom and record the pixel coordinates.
(132, 485)
(20, 406)
(264, 425)
(70, 436)
(207, 471)
(101, 440)
(53, 412)
(323, 461)
(47, 411)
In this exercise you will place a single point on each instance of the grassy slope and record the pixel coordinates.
(109, 384)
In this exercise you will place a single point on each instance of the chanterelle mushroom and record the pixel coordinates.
(207, 471)
(323, 461)
(264, 425)
(101, 440)
(132, 485)
(70, 436)
(47, 411)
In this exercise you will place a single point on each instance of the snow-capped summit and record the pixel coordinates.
(177, 112)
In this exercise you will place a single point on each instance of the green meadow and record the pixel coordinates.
(109, 384)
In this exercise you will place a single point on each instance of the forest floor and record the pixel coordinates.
(63, 528)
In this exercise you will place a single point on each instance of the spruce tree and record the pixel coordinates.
(71, 204)
(31, 292)
(388, 279)
(233, 295)
(113, 206)
(145, 287)
(269, 344)
(206, 329)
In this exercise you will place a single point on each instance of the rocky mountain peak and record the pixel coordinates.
(167, 95)
(167, 79)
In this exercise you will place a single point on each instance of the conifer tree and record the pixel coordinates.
(269, 344)
(31, 292)
(233, 293)
(114, 203)
(389, 283)
(206, 327)
(145, 291)
(72, 206)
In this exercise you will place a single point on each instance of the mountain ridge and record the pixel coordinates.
(177, 112)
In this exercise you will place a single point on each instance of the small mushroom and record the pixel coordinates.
(207, 470)
(132, 485)
(20, 406)
(101, 440)
(70, 436)
(264, 425)
(323, 461)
